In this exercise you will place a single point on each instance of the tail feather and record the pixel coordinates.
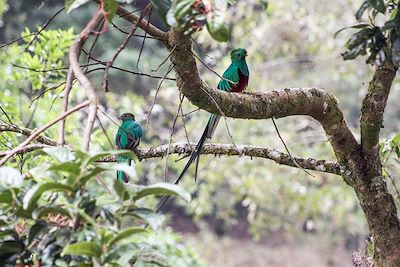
(121, 175)
(208, 133)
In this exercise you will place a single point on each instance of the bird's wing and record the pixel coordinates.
(121, 139)
(231, 76)
(134, 133)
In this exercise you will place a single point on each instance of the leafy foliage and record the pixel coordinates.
(66, 223)
(373, 40)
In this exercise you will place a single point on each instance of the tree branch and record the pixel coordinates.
(373, 106)
(74, 54)
(186, 149)
(25, 131)
(35, 134)
(143, 24)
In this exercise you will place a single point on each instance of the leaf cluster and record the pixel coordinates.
(54, 217)
(376, 42)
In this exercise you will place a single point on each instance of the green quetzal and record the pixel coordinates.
(127, 137)
(236, 78)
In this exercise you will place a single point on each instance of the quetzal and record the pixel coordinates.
(128, 137)
(235, 79)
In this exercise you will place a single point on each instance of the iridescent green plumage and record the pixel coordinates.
(127, 137)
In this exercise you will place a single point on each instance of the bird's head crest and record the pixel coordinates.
(127, 116)
(238, 54)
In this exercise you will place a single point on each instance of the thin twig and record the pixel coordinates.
(136, 35)
(67, 89)
(17, 39)
(5, 113)
(92, 47)
(184, 123)
(287, 149)
(105, 132)
(145, 34)
(131, 72)
(43, 27)
(170, 138)
(165, 60)
(170, 68)
(392, 181)
(119, 50)
(42, 129)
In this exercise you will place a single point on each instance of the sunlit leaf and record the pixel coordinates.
(34, 194)
(72, 4)
(10, 177)
(162, 189)
(90, 249)
(61, 154)
(110, 7)
(126, 233)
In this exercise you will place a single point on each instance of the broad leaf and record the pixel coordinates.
(110, 7)
(361, 10)
(61, 154)
(126, 233)
(90, 249)
(162, 189)
(10, 177)
(378, 5)
(72, 4)
(34, 194)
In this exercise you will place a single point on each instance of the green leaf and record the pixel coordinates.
(162, 189)
(61, 154)
(357, 26)
(162, 7)
(361, 10)
(49, 209)
(216, 22)
(120, 188)
(90, 249)
(34, 194)
(6, 197)
(378, 5)
(219, 32)
(70, 167)
(72, 4)
(10, 177)
(110, 7)
(126, 233)
(95, 171)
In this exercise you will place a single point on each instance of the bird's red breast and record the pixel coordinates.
(242, 84)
